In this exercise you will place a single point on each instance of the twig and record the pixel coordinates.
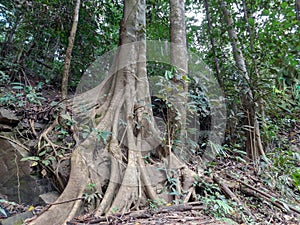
(16, 142)
(67, 201)
(44, 135)
(148, 213)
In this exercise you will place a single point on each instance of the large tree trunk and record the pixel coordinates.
(254, 147)
(115, 165)
(65, 76)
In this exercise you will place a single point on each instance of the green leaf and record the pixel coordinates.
(284, 5)
(17, 87)
(31, 158)
(46, 162)
(251, 21)
(186, 78)
(17, 83)
(265, 12)
(104, 135)
(168, 75)
(42, 153)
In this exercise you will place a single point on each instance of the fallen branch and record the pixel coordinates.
(229, 193)
(142, 214)
(259, 196)
(266, 196)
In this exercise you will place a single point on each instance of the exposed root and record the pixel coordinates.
(44, 136)
(59, 214)
(111, 189)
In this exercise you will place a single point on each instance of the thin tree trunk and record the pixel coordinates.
(179, 82)
(178, 37)
(254, 62)
(212, 42)
(254, 147)
(65, 76)
(179, 61)
(297, 7)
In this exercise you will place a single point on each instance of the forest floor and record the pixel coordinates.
(258, 204)
(231, 190)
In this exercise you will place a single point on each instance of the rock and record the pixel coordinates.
(17, 219)
(49, 197)
(8, 117)
(14, 173)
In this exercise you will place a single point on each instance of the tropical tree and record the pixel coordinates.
(254, 146)
(261, 39)
(65, 76)
(110, 161)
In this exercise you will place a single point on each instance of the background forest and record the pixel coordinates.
(252, 48)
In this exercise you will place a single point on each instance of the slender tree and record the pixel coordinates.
(179, 61)
(254, 147)
(254, 64)
(65, 76)
(297, 7)
(212, 42)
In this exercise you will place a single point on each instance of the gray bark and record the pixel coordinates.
(297, 7)
(179, 60)
(65, 76)
(212, 42)
(254, 147)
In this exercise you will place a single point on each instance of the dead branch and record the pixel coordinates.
(266, 196)
(141, 214)
(259, 196)
(229, 193)
(67, 201)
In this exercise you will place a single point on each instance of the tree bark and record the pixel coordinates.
(179, 61)
(251, 34)
(65, 76)
(297, 7)
(254, 147)
(178, 36)
(212, 42)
